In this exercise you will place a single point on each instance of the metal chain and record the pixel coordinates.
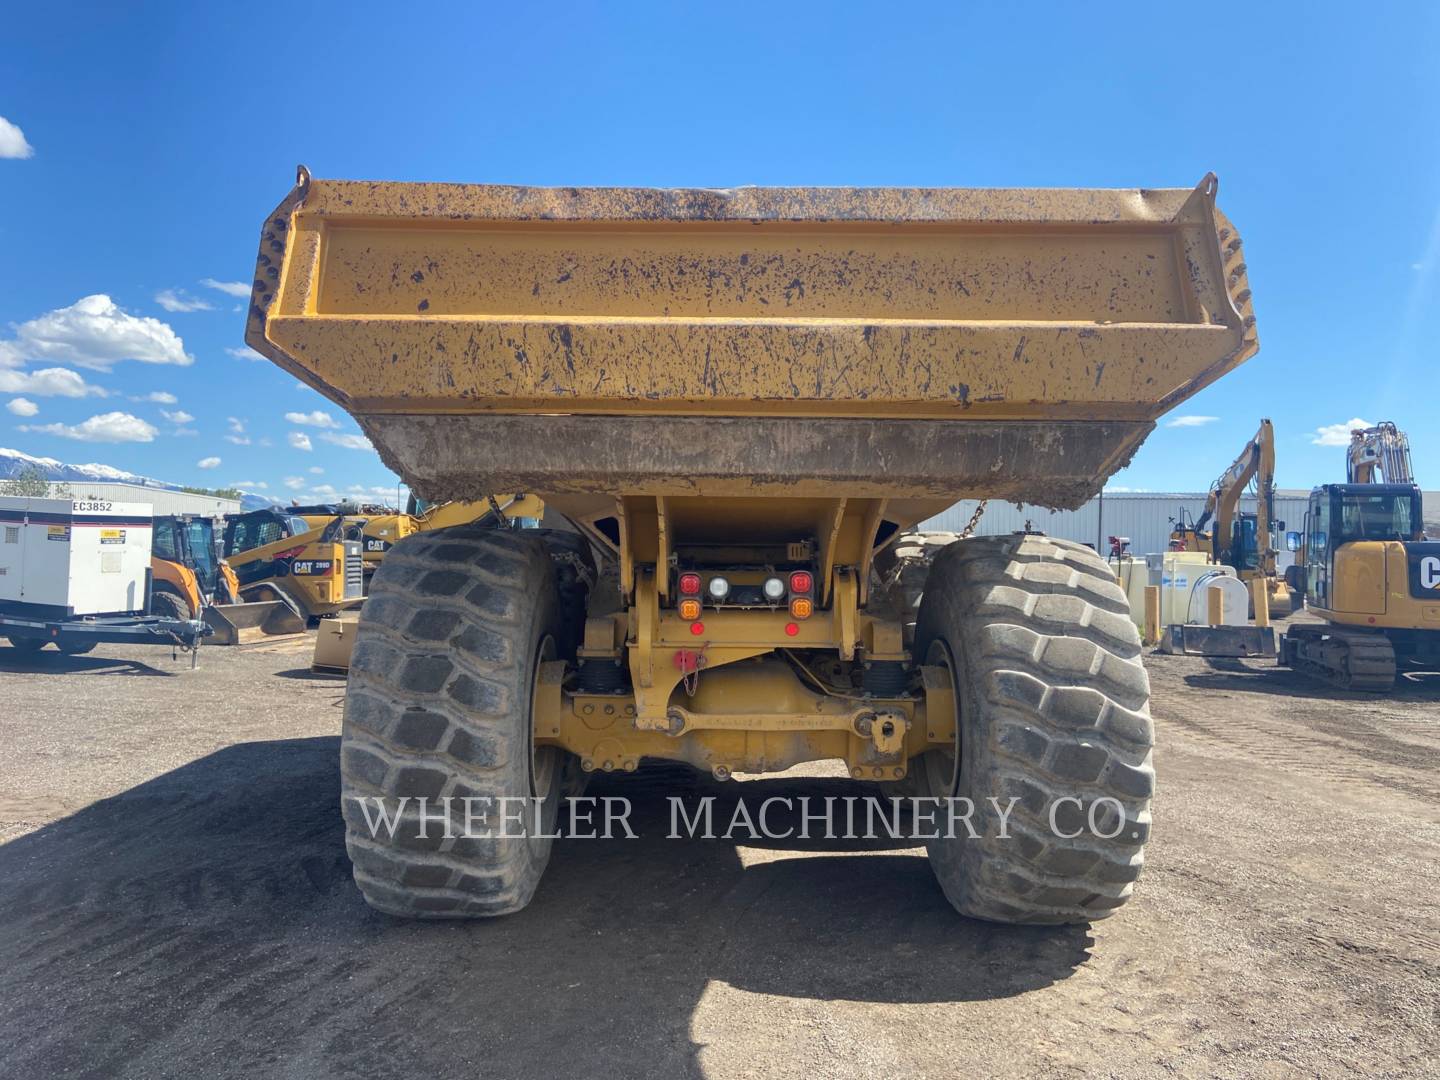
(975, 518)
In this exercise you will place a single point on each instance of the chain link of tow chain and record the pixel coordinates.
(975, 518)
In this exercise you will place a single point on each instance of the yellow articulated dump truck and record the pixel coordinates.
(735, 399)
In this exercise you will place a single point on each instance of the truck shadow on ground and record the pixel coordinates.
(208, 916)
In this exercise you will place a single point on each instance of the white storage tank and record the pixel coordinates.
(1184, 578)
(62, 557)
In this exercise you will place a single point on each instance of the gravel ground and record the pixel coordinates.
(176, 902)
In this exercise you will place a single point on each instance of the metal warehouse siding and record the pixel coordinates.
(161, 500)
(1146, 518)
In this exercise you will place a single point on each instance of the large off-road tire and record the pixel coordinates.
(439, 704)
(1053, 704)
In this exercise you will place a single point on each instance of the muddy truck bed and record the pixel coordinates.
(918, 345)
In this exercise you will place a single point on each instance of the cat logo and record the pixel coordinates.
(1430, 572)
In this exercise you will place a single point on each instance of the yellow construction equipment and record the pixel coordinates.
(378, 529)
(1367, 570)
(736, 398)
(1248, 542)
(191, 581)
(187, 574)
(279, 558)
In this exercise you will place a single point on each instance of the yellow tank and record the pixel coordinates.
(736, 399)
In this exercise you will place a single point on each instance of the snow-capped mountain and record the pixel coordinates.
(14, 462)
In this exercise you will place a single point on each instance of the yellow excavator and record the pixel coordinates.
(379, 528)
(1367, 570)
(1239, 538)
(279, 557)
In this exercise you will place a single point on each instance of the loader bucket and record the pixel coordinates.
(913, 345)
(242, 624)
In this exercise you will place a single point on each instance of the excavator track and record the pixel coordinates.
(1350, 659)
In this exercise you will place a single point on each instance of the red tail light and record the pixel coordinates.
(801, 581)
(690, 584)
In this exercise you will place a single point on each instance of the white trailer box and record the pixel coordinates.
(74, 557)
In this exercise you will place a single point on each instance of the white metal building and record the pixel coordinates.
(1145, 517)
(162, 500)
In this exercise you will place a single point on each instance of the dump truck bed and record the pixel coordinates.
(911, 344)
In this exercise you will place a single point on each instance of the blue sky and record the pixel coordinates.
(161, 139)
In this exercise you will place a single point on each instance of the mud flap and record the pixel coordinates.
(242, 624)
(1237, 641)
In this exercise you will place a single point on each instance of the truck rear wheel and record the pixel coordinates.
(439, 705)
(1053, 712)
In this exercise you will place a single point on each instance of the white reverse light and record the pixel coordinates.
(774, 589)
(719, 588)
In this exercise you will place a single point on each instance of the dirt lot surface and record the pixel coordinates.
(175, 900)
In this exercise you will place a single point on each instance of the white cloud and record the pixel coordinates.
(323, 489)
(319, 418)
(229, 288)
(1191, 421)
(111, 427)
(207, 463)
(236, 424)
(159, 397)
(317, 470)
(180, 300)
(244, 352)
(299, 440)
(94, 333)
(180, 431)
(23, 407)
(251, 485)
(12, 141)
(48, 382)
(238, 440)
(177, 416)
(295, 483)
(1337, 434)
(349, 442)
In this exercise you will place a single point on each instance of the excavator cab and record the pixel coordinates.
(1245, 545)
(1341, 514)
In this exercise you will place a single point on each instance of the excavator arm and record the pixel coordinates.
(1256, 462)
(1379, 451)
